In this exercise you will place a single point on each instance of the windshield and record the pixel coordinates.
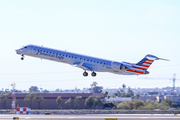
(25, 47)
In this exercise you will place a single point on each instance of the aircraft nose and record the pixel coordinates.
(18, 51)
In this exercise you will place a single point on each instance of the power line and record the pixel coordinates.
(38, 73)
(64, 72)
(66, 80)
(78, 80)
(166, 66)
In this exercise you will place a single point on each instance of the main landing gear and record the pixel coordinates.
(22, 58)
(93, 74)
(85, 74)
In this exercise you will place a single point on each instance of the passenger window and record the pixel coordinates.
(91, 60)
(84, 59)
(75, 57)
(97, 62)
(104, 63)
(72, 56)
(87, 60)
(66, 55)
(101, 63)
(80, 58)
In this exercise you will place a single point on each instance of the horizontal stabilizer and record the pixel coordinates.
(164, 59)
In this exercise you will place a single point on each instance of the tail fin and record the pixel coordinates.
(142, 66)
(147, 61)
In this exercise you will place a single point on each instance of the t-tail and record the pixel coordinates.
(142, 66)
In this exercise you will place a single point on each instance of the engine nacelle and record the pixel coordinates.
(118, 66)
(122, 67)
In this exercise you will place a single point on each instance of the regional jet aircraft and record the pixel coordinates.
(88, 63)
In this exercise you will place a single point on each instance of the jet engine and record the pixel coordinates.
(118, 66)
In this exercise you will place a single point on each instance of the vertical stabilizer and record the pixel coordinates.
(146, 62)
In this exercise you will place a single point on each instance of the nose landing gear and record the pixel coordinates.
(22, 58)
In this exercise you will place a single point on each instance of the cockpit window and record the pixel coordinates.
(25, 47)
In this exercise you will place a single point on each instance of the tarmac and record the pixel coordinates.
(92, 117)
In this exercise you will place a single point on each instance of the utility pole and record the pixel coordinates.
(174, 80)
(13, 98)
(13, 86)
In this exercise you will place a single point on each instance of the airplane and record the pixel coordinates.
(88, 63)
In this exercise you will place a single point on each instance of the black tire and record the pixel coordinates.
(22, 58)
(93, 74)
(85, 74)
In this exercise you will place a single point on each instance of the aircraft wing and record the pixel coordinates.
(83, 66)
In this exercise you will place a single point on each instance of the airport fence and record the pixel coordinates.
(92, 111)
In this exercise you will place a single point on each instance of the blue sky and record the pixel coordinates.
(116, 30)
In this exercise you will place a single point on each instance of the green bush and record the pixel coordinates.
(163, 106)
(148, 105)
(123, 105)
(134, 104)
(120, 106)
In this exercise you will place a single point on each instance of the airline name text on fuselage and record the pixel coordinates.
(51, 55)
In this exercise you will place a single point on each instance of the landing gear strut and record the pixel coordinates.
(85, 74)
(22, 58)
(93, 74)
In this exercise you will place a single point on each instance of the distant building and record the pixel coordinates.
(117, 99)
(160, 98)
(50, 100)
(153, 93)
(144, 98)
(175, 99)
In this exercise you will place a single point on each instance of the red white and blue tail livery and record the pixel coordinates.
(142, 66)
(88, 63)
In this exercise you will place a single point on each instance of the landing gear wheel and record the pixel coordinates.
(85, 74)
(93, 74)
(22, 58)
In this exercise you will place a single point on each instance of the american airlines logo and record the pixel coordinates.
(50, 55)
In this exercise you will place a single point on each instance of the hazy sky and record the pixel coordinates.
(118, 30)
